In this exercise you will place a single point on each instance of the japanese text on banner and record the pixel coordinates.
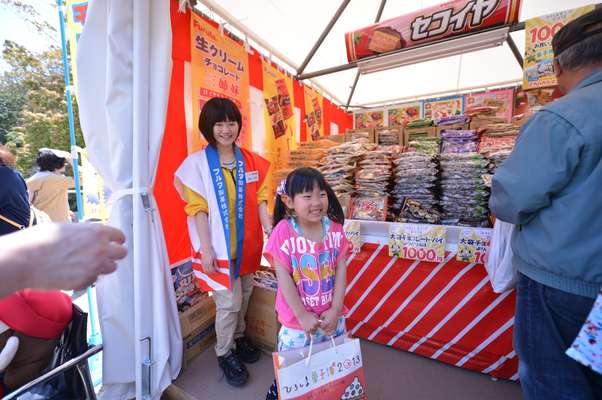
(473, 245)
(352, 232)
(220, 68)
(538, 71)
(417, 242)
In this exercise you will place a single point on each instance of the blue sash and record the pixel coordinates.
(219, 186)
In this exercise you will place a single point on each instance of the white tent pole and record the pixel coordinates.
(226, 16)
(140, 128)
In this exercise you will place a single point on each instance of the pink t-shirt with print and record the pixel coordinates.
(311, 265)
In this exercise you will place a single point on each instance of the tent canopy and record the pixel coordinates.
(292, 28)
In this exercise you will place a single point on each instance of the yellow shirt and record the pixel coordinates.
(195, 203)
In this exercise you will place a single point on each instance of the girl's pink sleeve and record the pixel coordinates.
(273, 250)
(345, 247)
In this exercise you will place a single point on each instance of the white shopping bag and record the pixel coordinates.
(325, 371)
(502, 272)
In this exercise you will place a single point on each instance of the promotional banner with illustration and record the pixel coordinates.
(280, 119)
(417, 242)
(404, 113)
(538, 71)
(369, 119)
(444, 107)
(444, 20)
(473, 245)
(314, 114)
(76, 17)
(502, 99)
(95, 193)
(220, 68)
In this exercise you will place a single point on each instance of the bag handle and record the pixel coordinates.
(11, 222)
(311, 345)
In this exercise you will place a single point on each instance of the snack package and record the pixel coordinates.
(184, 281)
(369, 208)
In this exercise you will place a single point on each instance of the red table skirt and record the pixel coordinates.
(446, 311)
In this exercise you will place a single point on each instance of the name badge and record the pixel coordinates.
(252, 176)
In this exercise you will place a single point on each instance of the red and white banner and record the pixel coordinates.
(451, 18)
(446, 311)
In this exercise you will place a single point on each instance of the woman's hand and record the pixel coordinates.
(330, 320)
(209, 261)
(309, 322)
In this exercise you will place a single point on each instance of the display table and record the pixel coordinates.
(446, 311)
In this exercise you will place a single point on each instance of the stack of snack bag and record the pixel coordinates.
(416, 173)
(420, 123)
(388, 137)
(339, 165)
(497, 141)
(452, 120)
(372, 180)
(484, 116)
(464, 195)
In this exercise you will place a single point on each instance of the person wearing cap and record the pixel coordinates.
(550, 188)
(48, 187)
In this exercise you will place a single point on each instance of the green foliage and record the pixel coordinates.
(39, 88)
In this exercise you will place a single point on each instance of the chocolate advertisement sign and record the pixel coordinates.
(430, 24)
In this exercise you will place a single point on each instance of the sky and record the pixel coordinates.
(13, 27)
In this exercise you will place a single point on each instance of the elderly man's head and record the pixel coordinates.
(578, 49)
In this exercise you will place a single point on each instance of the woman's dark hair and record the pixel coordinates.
(48, 161)
(218, 109)
(7, 159)
(303, 180)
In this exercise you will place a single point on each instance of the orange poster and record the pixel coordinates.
(220, 68)
(279, 115)
(314, 111)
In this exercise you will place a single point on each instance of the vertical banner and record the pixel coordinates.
(76, 17)
(502, 99)
(444, 107)
(95, 193)
(404, 113)
(280, 118)
(314, 112)
(369, 119)
(220, 68)
(538, 71)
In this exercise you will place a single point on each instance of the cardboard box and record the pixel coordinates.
(399, 134)
(198, 315)
(351, 134)
(429, 131)
(262, 323)
(198, 341)
(453, 126)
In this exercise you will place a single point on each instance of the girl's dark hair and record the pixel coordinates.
(218, 109)
(7, 159)
(48, 161)
(303, 180)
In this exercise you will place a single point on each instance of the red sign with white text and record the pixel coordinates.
(430, 24)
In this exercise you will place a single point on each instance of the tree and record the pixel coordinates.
(42, 121)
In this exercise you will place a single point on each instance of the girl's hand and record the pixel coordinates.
(309, 322)
(209, 261)
(330, 320)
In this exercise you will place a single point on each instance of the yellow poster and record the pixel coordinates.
(538, 71)
(314, 114)
(473, 245)
(76, 17)
(279, 115)
(95, 194)
(220, 68)
(417, 242)
(370, 119)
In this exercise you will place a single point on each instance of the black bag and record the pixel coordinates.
(74, 383)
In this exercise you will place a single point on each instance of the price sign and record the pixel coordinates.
(352, 232)
(473, 245)
(417, 242)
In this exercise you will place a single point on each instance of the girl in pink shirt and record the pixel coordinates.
(308, 250)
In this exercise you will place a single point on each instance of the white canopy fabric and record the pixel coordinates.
(292, 27)
(123, 91)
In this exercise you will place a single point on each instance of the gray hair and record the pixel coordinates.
(582, 54)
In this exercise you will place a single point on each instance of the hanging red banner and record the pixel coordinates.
(430, 24)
